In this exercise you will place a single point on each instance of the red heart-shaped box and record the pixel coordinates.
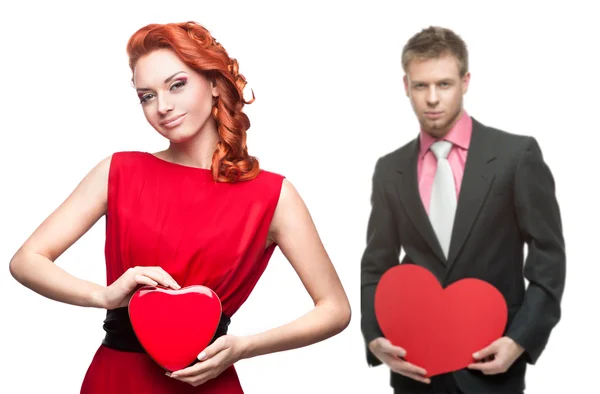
(440, 329)
(174, 326)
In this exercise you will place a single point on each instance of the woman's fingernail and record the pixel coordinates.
(201, 356)
(168, 374)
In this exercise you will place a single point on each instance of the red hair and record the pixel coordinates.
(196, 47)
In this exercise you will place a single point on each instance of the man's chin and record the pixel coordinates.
(435, 128)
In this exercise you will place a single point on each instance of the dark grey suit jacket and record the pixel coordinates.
(507, 199)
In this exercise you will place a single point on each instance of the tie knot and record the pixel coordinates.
(441, 149)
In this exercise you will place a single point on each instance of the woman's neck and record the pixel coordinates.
(195, 152)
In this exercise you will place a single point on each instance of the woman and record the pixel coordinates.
(201, 212)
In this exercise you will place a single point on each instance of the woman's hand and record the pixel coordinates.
(120, 291)
(215, 359)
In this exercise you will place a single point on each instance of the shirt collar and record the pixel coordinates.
(459, 134)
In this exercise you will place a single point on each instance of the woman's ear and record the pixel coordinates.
(213, 88)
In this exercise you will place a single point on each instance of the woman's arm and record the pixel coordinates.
(293, 230)
(33, 264)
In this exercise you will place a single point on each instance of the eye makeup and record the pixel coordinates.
(177, 85)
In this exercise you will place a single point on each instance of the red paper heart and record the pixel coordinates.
(174, 326)
(440, 329)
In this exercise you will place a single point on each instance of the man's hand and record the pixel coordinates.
(392, 355)
(497, 357)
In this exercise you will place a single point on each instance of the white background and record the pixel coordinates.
(329, 102)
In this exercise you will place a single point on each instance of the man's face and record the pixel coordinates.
(436, 90)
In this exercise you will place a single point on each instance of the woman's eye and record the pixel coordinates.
(177, 85)
(145, 98)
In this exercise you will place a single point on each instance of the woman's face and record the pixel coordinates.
(176, 100)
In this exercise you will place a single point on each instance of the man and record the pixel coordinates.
(462, 199)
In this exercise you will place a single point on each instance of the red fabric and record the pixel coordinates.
(201, 232)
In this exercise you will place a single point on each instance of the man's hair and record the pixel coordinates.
(434, 42)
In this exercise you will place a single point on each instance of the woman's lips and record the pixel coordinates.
(175, 121)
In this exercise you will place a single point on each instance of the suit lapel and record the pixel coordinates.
(477, 179)
(408, 191)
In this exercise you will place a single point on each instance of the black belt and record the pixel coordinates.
(120, 334)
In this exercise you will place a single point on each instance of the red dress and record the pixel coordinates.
(201, 232)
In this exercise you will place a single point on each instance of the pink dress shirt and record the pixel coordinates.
(460, 137)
